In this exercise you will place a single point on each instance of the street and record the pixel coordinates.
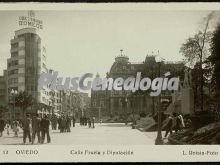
(102, 134)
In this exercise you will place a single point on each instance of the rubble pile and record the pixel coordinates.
(209, 134)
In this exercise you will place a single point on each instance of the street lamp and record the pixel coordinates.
(125, 104)
(159, 140)
(99, 108)
(14, 93)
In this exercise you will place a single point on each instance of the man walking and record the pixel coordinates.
(36, 128)
(27, 128)
(168, 126)
(89, 122)
(54, 122)
(93, 122)
(45, 123)
(2, 126)
(68, 123)
(74, 120)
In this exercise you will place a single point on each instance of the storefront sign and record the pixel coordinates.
(30, 21)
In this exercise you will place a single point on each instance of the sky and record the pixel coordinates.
(80, 42)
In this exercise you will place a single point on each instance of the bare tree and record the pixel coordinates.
(195, 49)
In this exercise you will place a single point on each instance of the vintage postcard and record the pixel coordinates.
(124, 82)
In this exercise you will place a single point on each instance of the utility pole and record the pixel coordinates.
(159, 140)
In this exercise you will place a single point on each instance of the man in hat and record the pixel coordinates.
(27, 128)
(45, 123)
(36, 128)
(2, 126)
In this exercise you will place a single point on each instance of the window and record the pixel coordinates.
(44, 57)
(14, 54)
(44, 49)
(14, 45)
(44, 99)
(44, 65)
(94, 103)
(12, 80)
(101, 103)
(13, 63)
(14, 71)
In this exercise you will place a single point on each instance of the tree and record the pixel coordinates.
(3, 110)
(23, 100)
(215, 57)
(195, 49)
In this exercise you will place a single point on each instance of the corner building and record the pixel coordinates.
(27, 62)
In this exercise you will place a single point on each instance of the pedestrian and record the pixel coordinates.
(182, 121)
(168, 126)
(188, 122)
(68, 123)
(80, 121)
(54, 122)
(36, 128)
(93, 122)
(74, 121)
(26, 128)
(2, 127)
(62, 124)
(59, 123)
(86, 120)
(89, 122)
(44, 124)
(15, 128)
(7, 128)
(177, 122)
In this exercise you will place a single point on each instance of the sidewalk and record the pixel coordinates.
(102, 134)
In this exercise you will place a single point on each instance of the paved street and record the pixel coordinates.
(106, 133)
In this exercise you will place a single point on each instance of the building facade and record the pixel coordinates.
(3, 89)
(27, 62)
(75, 103)
(126, 102)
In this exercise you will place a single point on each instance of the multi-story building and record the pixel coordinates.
(3, 89)
(75, 103)
(126, 102)
(55, 99)
(27, 62)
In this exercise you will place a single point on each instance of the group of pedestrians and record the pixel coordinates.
(90, 121)
(14, 125)
(174, 122)
(36, 126)
(2, 126)
(64, 123)
(32, 127)
(54, 122)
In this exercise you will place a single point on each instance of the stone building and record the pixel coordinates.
(75, 103)
(106, 103)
